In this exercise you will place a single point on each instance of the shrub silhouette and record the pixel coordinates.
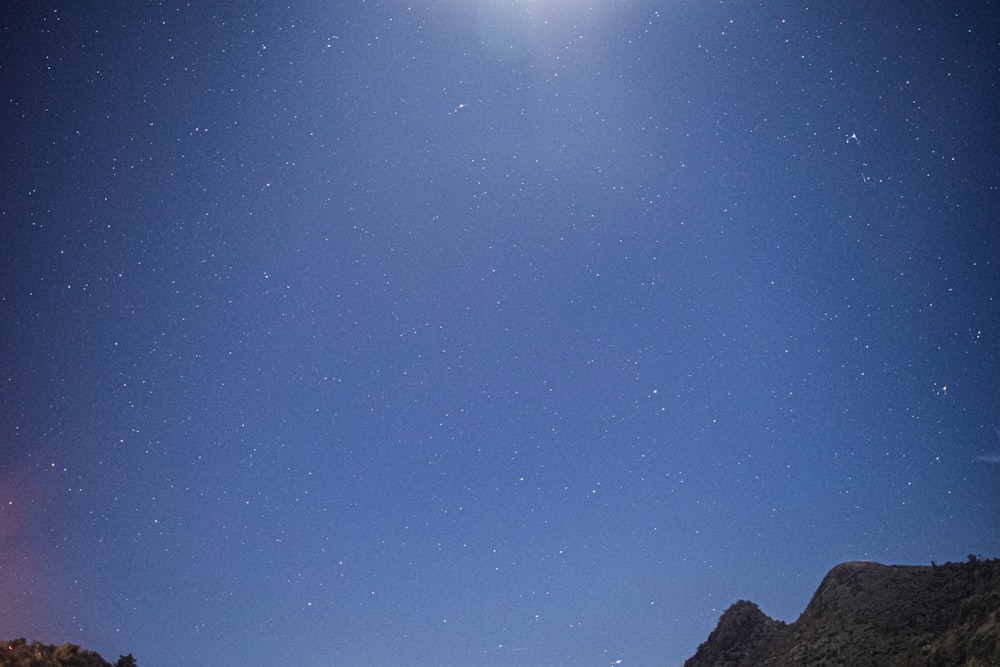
(19, 653)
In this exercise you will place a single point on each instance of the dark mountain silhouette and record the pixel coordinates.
(862, 615)
(869, 615)
(19, 653)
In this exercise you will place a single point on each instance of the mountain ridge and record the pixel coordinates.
(868, 614)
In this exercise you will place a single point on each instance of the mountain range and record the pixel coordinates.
(862, 615)
(869, 615)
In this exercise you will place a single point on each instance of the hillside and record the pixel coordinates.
(19, 653)
(865, 614)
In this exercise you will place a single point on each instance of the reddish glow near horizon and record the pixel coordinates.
(21, 575)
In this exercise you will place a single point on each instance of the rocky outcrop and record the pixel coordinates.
(869, 615)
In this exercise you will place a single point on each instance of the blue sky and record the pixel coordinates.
(501, 333)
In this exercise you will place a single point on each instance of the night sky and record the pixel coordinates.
(499, 332)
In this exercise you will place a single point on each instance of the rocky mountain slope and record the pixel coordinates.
(866, 614)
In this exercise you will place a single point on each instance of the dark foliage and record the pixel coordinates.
(19, 653)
